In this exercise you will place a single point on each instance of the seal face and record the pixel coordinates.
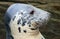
(25, 20)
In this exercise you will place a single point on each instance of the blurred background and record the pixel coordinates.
(51, 30)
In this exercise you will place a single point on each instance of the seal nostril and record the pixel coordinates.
(32, 12)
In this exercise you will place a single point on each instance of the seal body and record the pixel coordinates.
(23, 21)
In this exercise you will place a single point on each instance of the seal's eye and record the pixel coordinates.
(32, 12)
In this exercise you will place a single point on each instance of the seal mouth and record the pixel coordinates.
(34, 28)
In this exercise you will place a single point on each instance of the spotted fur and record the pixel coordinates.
(25, 23)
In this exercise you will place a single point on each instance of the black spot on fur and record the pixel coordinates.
(29, 22)
(23, 23)
(18, 21)
(29, 25)
(21, 13)
(19, 29)
(14, 18)
(25, 31)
